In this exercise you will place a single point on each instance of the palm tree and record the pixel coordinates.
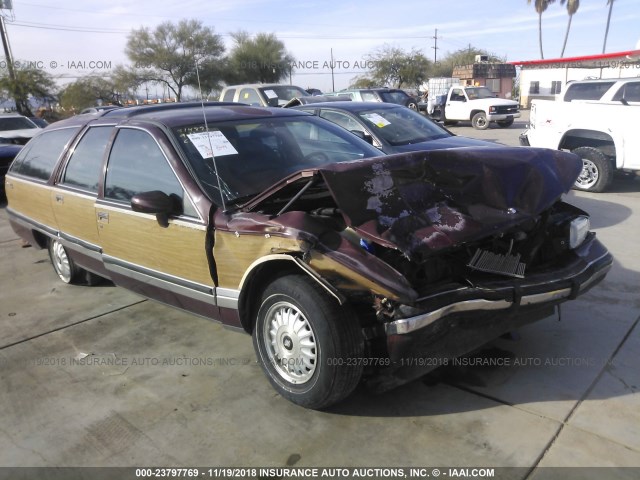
(606, 32)
(572, 8)
(541, 6)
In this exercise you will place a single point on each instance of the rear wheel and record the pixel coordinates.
(307, 344)
(505, 123)
(413, 106)
(597, 170)
(66, 268)
(479, 121)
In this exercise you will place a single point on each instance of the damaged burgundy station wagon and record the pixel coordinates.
(342, 264)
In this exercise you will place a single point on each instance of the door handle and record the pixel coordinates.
(103, 217)
(59, 198)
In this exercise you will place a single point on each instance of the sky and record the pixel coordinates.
(72, 38)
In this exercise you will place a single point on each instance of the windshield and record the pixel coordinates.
(283, 93)
(401, 126)
(252, 155)
(479, 92)
(15, 123)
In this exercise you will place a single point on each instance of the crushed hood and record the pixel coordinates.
(424, 202)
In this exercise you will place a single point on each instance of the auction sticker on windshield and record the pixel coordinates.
(377, 119)
(216, 144)
(270, 94)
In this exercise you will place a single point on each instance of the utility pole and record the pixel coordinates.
(333, 84)
(21, 103)
(435, 47)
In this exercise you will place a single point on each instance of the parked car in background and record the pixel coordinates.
(604, 135)
(262, 95)
(8, 151)
(612, 90)
(385, 95)
(314, 91)
(40, 122)
(16, 128)
(390, 127)
(341, 262)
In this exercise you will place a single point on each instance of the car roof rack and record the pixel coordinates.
(127, 112)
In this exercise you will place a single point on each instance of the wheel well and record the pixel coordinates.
(473, 112)
(254, 285)
(41, 239)
(588, 138)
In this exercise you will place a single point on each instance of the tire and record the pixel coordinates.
(505, 123)
(597, 170)
(412, 106)
(62, 263)
(66, 268)
(306, 343)
(479, 121)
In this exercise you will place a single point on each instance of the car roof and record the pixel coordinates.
(180, 114)
(350, 106)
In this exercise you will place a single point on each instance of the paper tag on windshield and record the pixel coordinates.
(216, 141)
(270, 94)
(377, 119)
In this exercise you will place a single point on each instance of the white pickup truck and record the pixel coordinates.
(477, 104)
(604, 135)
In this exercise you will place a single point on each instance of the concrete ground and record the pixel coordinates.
(97, 376)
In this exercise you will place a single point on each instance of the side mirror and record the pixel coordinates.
(156, 203)
(364, 136)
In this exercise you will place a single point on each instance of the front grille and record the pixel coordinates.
(507, 109)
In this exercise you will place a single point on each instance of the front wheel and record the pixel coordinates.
(306, 343)
(413, 106)
(479, 121)
(505, 123)
(597, 170)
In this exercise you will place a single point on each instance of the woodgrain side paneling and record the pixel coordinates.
(76, 214)
(235, 254)
(177, 250)
(31, 199)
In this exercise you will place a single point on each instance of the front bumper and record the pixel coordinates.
(496, 117)
(458, 321)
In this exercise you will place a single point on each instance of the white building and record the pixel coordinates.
(543, 79)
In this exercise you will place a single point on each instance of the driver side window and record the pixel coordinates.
(137, 164)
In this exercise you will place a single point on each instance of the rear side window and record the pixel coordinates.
(250, 96)
(586, 91)
(629, 91)
(39, 156)
(228, 95)
(83, 168)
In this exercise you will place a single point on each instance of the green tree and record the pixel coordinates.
(540, 6)
(262, 58)
(86, 92)
(394, 67)
(29, 83)
(572, 8)
(169, 53)
(606, 32)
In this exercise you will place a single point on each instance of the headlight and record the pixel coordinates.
(578, 230)
(492, 109)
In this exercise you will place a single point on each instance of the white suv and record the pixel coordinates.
(603, 90)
